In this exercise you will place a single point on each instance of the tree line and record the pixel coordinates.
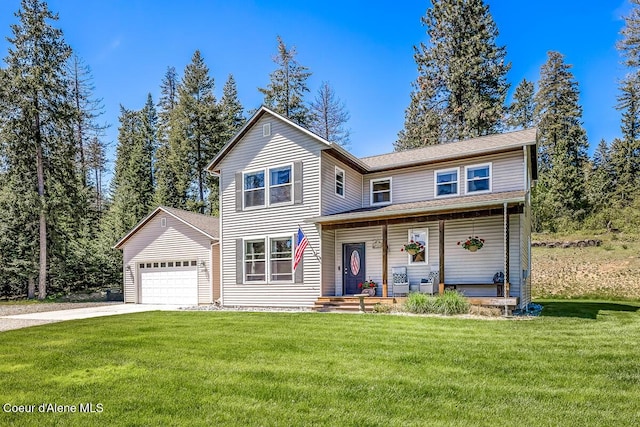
(460, 93)
(58, 225)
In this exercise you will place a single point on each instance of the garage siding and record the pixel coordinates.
(176, 241)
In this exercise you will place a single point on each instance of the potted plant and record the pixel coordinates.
(472, 244)
(412, 247)
(368, 287)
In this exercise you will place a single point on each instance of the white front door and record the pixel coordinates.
(169, 285)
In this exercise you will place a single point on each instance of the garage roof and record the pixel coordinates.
(205, 224)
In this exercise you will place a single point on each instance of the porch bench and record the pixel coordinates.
(499, 286)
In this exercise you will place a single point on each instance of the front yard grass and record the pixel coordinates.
(576, 365)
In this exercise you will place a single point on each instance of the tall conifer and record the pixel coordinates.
(461, 86)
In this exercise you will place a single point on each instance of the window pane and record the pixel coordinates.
(281, 270)
(447, 189)
(254, 180)
(280, 175)
(479, 172)
(280, 194)
(281, 248)
(254, 198)
(255, 271)
(254, 250)
(382, 197)
(444, 177)
(479, 185)
(381, 186)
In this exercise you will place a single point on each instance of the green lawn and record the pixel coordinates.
(578, 365)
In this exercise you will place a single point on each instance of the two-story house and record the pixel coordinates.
(358, 213)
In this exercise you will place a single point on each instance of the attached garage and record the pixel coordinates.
(171, 257)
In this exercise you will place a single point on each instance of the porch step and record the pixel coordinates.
(349, 304)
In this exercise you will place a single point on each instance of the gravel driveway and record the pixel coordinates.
(13, 309)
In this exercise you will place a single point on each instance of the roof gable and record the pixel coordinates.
(205, 224)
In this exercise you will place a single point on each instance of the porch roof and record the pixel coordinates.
(427, 207)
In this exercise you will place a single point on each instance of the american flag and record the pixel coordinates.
(300, 247)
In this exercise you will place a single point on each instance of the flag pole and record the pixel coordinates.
(312, 250)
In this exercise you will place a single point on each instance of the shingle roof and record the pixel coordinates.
(452, 150)
(424, 207)
(205, 224)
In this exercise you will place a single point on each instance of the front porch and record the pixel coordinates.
(381, 234)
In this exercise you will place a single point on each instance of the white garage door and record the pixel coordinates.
(160, 284)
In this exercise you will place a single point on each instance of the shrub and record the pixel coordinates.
(452, 302)
(419, 303)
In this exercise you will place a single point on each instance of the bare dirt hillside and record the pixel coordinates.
(611, 270)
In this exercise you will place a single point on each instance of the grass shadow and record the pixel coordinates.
(583, 309)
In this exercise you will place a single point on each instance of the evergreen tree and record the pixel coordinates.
(329, 116)
(562, 143)
(601, 178)
(166, 193)
(423, 117)
(231, 110)
(288, 85)
(41, 194)
(461, 85)
(522, 109)
(195, 134)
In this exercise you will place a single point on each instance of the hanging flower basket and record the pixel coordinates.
(412, 248)
(472, 244)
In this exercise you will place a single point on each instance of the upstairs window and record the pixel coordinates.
(254, 189)
(478, 178)
(280, 185)
(446, 182)
(339, 182)
(381, 191)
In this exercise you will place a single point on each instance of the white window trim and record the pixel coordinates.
(435, 182)
(426, 245)
(344, 182)
(267, 187)
(268, 184)
(249, 172)
(267, 259)
(490, 177)
(371, 182)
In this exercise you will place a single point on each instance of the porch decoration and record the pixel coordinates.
(368, 287)
(472, 244)
(412, 247)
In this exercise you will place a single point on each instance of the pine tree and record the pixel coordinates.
(625, 152)
(329, 116)
(166, 193)
(562, 143)
(461, 85)
(195, 134)
(522, 109)
(601, 178)
(288, 85)
(40, 188)
(231, 110)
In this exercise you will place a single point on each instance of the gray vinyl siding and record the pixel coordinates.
(525, 253)
(176, 241)
(285, 145)
(331, 202)
(462, 266)
(417, 183)
(328, 253)
(372, 237)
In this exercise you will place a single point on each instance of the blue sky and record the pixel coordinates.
(363, 48)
